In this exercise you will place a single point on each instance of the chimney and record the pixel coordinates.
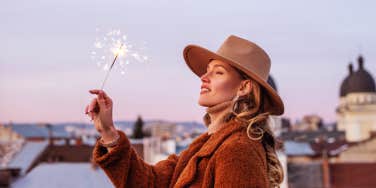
(351, 69)
(360, 62)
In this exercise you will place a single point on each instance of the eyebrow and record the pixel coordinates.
(217, 65)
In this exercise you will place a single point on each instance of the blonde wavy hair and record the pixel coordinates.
(249, 110)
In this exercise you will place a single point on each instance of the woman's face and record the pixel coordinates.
(220, 83)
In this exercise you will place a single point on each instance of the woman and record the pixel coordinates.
(238, 150)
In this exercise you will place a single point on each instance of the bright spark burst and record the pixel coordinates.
(107, 46)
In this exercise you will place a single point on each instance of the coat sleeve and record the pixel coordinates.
(126, 168)
(240, 165)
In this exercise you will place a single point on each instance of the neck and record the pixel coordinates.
(216, 114)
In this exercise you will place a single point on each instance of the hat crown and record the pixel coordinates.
(247, 55)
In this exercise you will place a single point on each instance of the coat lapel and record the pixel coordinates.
(207, 149)
(186, 155)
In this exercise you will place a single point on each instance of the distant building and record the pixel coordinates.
(26, 157)
(147, 148)
(342, 154)
(161, 129)
(364, 152)
(34, 132)
(8, 135)
(356, 112)
(308, 123)
(162, 141)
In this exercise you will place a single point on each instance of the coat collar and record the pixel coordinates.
(208, 145)
(217, 138)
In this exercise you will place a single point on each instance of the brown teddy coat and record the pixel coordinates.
(227, 158)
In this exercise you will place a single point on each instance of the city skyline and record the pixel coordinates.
(46, 71)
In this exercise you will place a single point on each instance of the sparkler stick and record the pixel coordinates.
(113, 62)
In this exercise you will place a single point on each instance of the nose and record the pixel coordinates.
(204, 77)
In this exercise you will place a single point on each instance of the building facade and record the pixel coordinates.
(356, 112)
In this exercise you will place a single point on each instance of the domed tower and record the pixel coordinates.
(356, 112)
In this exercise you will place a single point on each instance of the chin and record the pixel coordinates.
(204, 103)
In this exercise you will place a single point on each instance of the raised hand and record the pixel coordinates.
(100, 112)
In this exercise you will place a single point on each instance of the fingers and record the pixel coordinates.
(92, 109)
(100, 93)
(87, 109)
(93, 105)
(105, 95)
(102, 102)
(97, 103)
(89, 113)
(95, 91)
(103, 98)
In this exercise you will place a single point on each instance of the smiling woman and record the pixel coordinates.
(238, 150)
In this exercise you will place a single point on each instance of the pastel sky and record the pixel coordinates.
(46, 70)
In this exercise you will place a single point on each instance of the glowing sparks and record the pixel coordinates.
(119, 50)
(107, 46)
(98, 44)
(113, 46)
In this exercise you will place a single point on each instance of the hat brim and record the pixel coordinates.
(197, 58)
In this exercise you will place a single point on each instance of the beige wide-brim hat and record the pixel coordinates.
(243, 55)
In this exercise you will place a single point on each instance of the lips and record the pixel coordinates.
(204, 89)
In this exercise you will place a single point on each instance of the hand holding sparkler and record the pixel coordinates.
(100, 111)
(117, 52)
(100, 108)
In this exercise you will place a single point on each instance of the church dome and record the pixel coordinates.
(358, 81)
(345, 83)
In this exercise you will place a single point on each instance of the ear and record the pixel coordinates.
(244, 88)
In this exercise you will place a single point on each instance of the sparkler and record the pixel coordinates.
(114, 43)
(112, 64)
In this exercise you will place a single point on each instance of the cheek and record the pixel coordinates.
(224, 88)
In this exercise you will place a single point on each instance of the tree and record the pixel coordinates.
(137, 129)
